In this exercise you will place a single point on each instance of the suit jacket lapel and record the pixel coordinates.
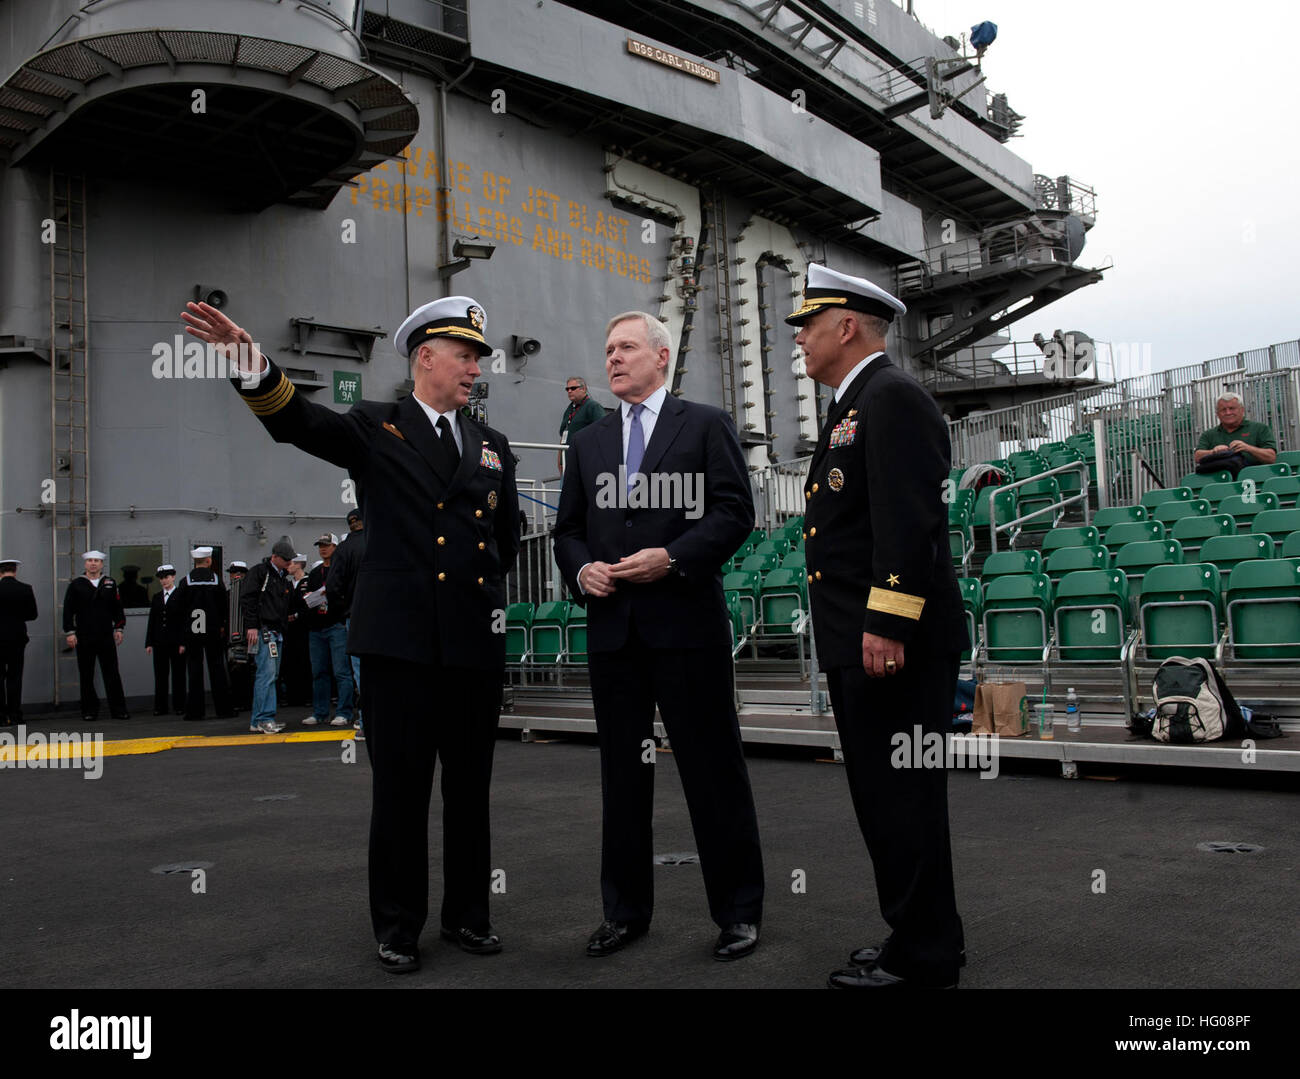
(419, 432)
(609, 438)
(670, 420)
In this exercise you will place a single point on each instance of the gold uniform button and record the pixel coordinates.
(818, 575)
(814, 488)
(482, 545)
(812, 531)
(440, 505)
(807, 494)
(478, 513)
(805, 535)
(810, 578)
(442, 576)
(480, 580)
(442, 540)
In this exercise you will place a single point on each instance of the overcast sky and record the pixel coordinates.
(1183, 117)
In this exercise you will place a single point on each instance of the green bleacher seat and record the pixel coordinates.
(964, 498)
(1091, 615)
(1278, 524)
(777, 545)
(738, 625)
(1008, 563)
(1225, 552)
(1244, 511)
(1260, 473)
(1166, 494)
(1038, 495)
(1073, 536)
(1015, 618)
(1290, 457)
(1181, 609)
(757, 536)
(1198, 481)
(575, 635)
(1287, 489)
(743, 551)
(1191, 532)
(519, 628)
(972, 601)
(1113, 515)
(795, 560)
(1117, 536)
(1005, 505)
(1214, 493)
(1068, 559)
(781, 600)
(760, 563)
(1290, 546)
(1263, 600)
(548, 635)
(1134, 560)
(1169, 512)
(745, 585)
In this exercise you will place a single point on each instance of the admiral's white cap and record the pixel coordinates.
(825, 288)
(94, 554)
(201, 552)
(460, 317)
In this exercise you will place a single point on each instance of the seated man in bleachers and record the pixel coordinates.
(1236, 434)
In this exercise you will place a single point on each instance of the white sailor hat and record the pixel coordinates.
(94, 554)
(11, 562)
(299, 558)
(201, 552)
(455, 316)
(238, 563)
(825, 288)
(318, 562)
(165, 569)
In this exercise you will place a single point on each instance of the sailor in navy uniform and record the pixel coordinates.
(205, 608)
(17, 608)
(887, 616)
(427, 618)
(94, 622)
(164, 638)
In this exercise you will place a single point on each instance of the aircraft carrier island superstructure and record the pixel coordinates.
(319, 168)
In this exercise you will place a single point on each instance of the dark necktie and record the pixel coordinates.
(447, 440)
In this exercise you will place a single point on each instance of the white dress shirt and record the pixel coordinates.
(848, 379)
(434, 415)
(653, 404)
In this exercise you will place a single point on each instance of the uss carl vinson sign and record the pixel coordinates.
(671, 59)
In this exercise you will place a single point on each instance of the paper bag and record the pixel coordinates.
(1001, 709)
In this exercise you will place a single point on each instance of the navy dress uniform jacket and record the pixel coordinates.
(201, 590)
(440, 541)
(92, 611)
(17, 608)
(876, 523)
(685, 609)
(166, 626)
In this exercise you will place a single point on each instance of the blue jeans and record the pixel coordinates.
(268, 673)
(328, 649)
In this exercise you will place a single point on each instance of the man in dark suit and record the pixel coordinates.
(17, 608)
(887, 617)
(94, 621)
(164, 639)
(427, 618)
(655, 498)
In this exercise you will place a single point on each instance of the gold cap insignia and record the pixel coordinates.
(476, 317)
(835, 478)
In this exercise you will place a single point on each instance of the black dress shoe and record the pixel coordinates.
(122, 715)
(610, 937)
(89, 719)
(875, 978)
(868, 957)
(475, 943)
(736, 942)
(399, 958)
(159, 712)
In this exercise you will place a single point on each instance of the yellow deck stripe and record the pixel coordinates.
(135, 746)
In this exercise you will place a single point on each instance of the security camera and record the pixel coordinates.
(213, 297)
(525, 346)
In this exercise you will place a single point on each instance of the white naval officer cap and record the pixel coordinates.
(201, 552)
(824, 287)
(94, 554)
(459, 317)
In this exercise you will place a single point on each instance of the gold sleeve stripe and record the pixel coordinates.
(270, 403)
(898, 603)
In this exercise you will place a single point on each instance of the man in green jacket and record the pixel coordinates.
(582, 410)
(1236, 434)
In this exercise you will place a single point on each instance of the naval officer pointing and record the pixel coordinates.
(442, 520)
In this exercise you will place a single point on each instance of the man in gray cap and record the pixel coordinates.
(17, 608)
(887, 617)
(265, 596)
(442, 517)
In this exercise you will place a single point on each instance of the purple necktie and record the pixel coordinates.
(635, 445)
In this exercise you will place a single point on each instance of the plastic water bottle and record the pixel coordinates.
(1073, 723)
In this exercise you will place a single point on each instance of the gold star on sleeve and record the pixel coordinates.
(892, 579)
